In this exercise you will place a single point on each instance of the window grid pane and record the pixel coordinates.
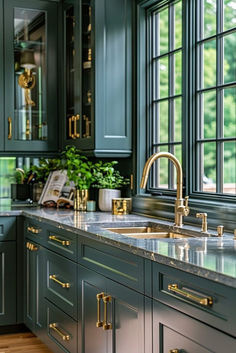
(166, 77)
(216, 98)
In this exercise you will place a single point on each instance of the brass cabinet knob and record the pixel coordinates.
(220, 231)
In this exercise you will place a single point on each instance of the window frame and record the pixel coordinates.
(188, 108)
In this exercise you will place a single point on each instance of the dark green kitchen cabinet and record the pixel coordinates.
(7, 283)
(98, 76)
(30, 71)
(1, 78)
(34, 311)
(109, 313)
(174, 332)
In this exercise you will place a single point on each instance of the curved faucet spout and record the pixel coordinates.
(176, 163)
(181, 209)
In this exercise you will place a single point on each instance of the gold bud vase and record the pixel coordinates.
(80, 200)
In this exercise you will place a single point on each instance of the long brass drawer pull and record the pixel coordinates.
(106, 325)
(31, 247)
(62, 242)
(174, 351)
(9, 128)
(99, 296)
(33, 230)
(202, 301)
(76, 118)
(70, 128)
(55, 328)
(54, 278)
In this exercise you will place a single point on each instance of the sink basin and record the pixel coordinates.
(147, 233)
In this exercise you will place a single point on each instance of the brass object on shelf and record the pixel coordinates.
(88, 64)
(174, 351)
(62, 242)
(70, 128)
(181, 205)
(121, 206)
(220, 231)
(234, 234)
(205, 301)
(203, 216)
(131, 182)
(54, 327)
(90, 19)
(106, 325)
(33, 230)
(80, 200)
(27, 82)
(99, 296)
(89, 97)
(9, 128)
(27, 132)
(31, 246)
(62, 284)
(87, 127)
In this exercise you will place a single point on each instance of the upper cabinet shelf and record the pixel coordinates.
(98, 76)
(30, 42)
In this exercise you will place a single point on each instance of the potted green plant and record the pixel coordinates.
(79, 170)
(108, 181)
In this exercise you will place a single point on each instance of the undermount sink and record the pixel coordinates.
(147, 233)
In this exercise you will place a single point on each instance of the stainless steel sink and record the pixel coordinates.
(147, 233)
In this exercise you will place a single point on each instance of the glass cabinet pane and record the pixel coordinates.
(87, 68)
(30, 73)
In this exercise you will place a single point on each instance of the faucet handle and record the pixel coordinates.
(203, 216)
(220, 231)
(186, 207)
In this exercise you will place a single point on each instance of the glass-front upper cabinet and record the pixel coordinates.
(31, 75)
(79, 72)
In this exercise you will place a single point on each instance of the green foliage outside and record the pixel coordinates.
(209, 80)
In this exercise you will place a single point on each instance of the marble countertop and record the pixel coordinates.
(209, 257)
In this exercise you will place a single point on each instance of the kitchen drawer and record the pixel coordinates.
(208, 301)
(116, 264)
(61, 330)
(62, 242)
(176, 332)
(35, 231)
(7, 228)
(61, 283)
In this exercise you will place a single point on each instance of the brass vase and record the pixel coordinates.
(80, 200)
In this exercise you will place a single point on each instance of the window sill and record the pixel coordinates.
(163, 207)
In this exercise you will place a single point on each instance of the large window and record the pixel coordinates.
(202, 35)
(165, 73)
(216, 96)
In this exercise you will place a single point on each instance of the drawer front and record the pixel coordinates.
(203, 299)
(62, 242)
(35, 231)
(61, 283)
(7, 228)
(116, 264)
(176, 332)
(61, 330)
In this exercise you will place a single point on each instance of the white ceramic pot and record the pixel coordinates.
(105, 197)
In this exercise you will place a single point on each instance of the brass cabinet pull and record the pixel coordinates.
(202, 301)
(62, 242)
(54, 278)
(9, 128)
(31, 247)
(99, 296)
(33, 230)
(75, 118)
(70, 128)
(174, 351)
(87, 126)
(55, 328)
(106, 325)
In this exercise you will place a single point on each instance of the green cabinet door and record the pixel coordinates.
(34, 312)
(177, 332)
(30, 37)
(98, 76)
(110, 313)
(1, 79)
(7, 283)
